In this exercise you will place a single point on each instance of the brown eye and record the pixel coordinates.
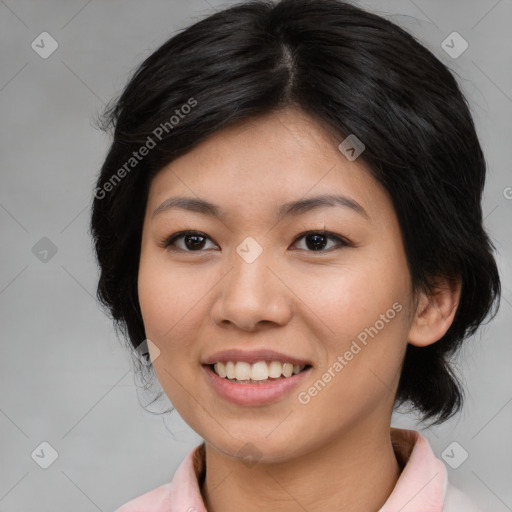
(316, 241)
(193, 241)
(196, 241)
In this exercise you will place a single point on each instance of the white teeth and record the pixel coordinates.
(242, 371)
(275, 369)
(287, 369)
(230, 369)
(220, 369)
(259, 371)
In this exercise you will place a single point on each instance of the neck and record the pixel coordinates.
(355, 472)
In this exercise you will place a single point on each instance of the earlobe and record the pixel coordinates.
(435, 313)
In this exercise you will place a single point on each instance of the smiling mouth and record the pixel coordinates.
(261, 372)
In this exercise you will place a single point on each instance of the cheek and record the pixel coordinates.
(355, 298)
(167, 298)
(172, 300)
(168, 295)
(366, 309)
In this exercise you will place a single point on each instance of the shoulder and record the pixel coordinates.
(457, 501)
(181, 493)
(420, 465)
(155, 500)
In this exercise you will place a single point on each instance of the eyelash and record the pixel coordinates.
(342, 242)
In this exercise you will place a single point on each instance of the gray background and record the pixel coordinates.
(65, 377)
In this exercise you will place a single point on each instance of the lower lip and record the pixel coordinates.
(253, 394)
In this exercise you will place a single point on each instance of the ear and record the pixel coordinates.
(435, 312)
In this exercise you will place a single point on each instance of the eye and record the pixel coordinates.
(194, 241)
(316, 240)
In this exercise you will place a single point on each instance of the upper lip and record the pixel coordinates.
(252, 356)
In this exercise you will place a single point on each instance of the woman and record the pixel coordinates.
(288, 222)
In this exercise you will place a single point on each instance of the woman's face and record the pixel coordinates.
(250, 280)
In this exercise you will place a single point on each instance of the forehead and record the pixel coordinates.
(267, 161)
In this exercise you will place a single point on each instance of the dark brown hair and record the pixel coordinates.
(357, 73)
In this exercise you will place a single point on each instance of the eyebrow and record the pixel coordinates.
(286, 210)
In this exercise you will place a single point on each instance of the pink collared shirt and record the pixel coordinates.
(422, 487)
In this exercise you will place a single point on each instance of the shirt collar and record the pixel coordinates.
(421, 485)
(423, 481)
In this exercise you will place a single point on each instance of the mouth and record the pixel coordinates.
(260, 372)
(243, 391)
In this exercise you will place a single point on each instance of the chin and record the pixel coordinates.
(257, 448)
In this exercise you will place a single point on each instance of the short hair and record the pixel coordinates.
(356, 73)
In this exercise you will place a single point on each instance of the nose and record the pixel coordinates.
(252, 296)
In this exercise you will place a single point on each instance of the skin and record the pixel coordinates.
(334, 451)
